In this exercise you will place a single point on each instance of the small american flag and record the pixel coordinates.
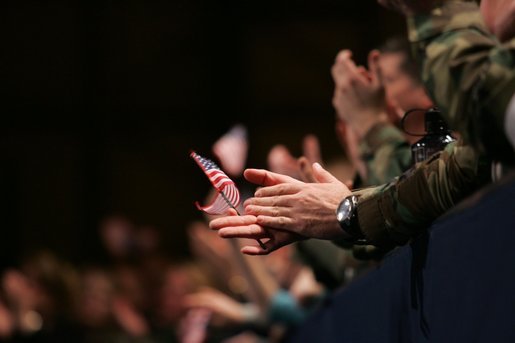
(228, 195)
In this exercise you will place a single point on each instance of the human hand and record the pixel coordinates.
(311, 149)
(246, 227)
(128, 317)
(312, 154)
(281, 161)
(231, 150)
(305, 286)
(194, 325)
(359, 95)
(307, 209)
(19, 291)
(499, 16)
(350, 144)
(286, 210)
(224, 308)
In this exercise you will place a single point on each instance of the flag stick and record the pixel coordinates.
(261, 244)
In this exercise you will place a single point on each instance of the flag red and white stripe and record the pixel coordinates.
(228, 195)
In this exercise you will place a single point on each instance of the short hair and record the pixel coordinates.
(401, 45)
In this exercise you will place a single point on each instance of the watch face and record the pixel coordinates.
(344, 210)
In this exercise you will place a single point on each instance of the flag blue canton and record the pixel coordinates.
(228, 194)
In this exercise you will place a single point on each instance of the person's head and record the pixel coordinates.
(117, 235)
(400, 75)
(179, 280)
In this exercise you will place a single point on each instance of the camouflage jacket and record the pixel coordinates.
(391, 214)
(386, 154)
(468, 72)
(471, 77)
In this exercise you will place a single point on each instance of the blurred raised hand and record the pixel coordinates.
(231, 150)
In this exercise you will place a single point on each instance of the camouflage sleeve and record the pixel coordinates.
(391, 214)
(386, 154)
(468, 72)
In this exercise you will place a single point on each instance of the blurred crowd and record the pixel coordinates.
(218, 294)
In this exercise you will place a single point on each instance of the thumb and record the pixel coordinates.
(263, 177)
(311, 148)
(232, 212)
(322, 175)
(373, 66)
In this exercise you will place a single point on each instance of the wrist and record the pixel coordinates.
(347, 217)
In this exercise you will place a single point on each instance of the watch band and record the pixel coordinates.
(347, 217)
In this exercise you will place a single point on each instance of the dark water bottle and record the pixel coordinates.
(436, 138)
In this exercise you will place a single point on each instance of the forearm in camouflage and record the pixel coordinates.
(390, 215)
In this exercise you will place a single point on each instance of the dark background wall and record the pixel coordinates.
(102, 100)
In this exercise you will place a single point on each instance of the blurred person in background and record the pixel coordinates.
(40, 297)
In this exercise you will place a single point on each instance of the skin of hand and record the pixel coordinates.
(312, 154)
(306, 169)
(281, 161)
(7, 322)
(350, 143)
(499, 16)
(219, 304)
(129, 318)
(359, 95)
(231, 150)
(286, 210)
(305, 286)
(311, 149)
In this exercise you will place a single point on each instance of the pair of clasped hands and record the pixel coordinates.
(285, 210)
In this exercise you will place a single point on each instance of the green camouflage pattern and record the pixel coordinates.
(386, 154)
(469, 74)
(391, 214)
(471, 77)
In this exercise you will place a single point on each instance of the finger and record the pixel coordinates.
(322, 175)
(306, 170)
(270, 201)
(232, 212)
(270, 211)
(264, 177)
(277, 222)
(363, 71)
(249, 231)
(222, 222)
(373, 66)
(349, 68)
(279, 190)
(281, 161)
(337, 70)
(257, 250)
(311, 148)
(343, 54)
(268, 247)
(196, 300)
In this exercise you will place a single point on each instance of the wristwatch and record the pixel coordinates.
(347, 217)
